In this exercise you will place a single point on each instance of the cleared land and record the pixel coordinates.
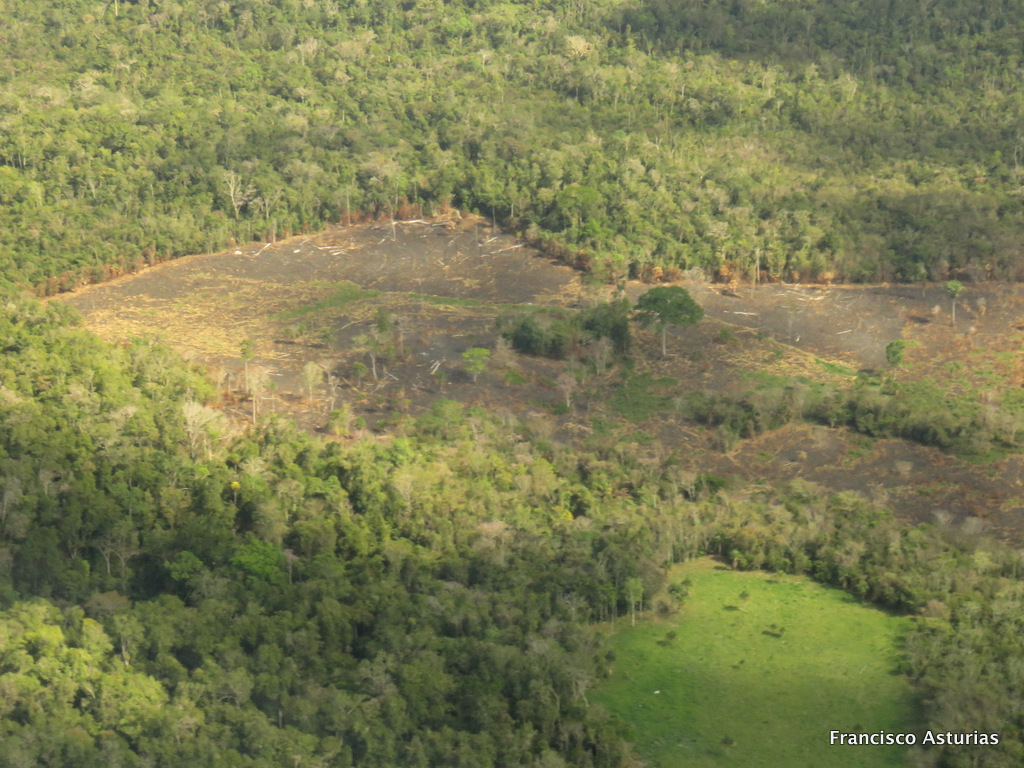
(312, 298)
(758, 671)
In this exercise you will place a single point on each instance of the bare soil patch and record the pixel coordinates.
(444, 281)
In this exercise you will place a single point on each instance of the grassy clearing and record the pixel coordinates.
(835, 368)
(761, 667)
(445, 301)
(344, 293)
(635, 401)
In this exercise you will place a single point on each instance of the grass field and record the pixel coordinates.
(344, 293)
(760, 668)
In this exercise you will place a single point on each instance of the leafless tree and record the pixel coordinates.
(312, 377)
(239, 191)
(201, 423)
(308, 49)
(601, 354)
(503, 356)
(259, 380)
(568, 386)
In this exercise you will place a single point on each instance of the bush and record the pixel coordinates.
(556, 333)
(543, 333)
(609, 321)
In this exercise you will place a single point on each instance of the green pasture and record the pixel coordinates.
(760, 668)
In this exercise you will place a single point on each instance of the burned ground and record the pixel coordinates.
(443, 282)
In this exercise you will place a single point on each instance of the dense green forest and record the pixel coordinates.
(172, 594)
(877, 141)
(422, 600)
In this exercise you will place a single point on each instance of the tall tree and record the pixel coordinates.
(894, 354)
(953, 289)
(668, 305)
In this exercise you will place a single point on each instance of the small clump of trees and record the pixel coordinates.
(561, 333)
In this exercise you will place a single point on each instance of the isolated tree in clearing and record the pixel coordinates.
(312, 376)
(248, 353)
(475, 361)
(894, 355)
(668, 305)
(954, 288)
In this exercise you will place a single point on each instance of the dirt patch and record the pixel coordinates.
(216, 301)
(853, 324)
(311, 298)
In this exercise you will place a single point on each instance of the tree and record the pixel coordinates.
(954, 288)
(503, 355)
(577, 203)
(668, 305)
(259, 381)
(201, 423)
(240, 193)
(340, 420)
(374, 344)
(390, 328)
(634, 593)
(475, 361)
(568, 386)
(609, 320)
(894, 354)
(312, 376)
(247, 352)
